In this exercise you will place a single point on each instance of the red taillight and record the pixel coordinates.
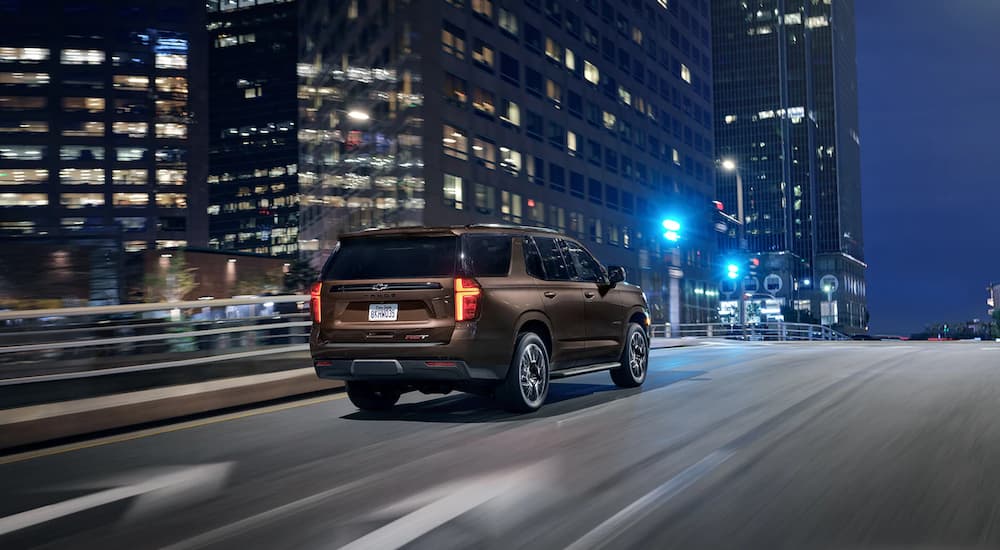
(467, 295)
(314, 305)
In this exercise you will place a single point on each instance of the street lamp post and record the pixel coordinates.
(672, 234)
(729, 165)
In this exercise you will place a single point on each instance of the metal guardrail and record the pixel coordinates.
(80, 342)
(781, 332)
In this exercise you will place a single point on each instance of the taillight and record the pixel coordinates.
(467, 294)
(314, 305)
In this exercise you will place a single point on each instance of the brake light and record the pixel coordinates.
(314, 305)
(467, 293)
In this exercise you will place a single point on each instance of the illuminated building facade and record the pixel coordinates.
(253, 111)
(98, 103)
(787, 115)
(591, 117)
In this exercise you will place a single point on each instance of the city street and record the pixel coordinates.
(728, 445)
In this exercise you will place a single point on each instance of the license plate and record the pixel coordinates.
(383, 312)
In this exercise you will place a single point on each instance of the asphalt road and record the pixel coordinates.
(824, 445)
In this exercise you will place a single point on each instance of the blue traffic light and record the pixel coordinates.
(733, 271)
(673, 228)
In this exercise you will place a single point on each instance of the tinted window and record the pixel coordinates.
(532, 259)
(552, 259)
(393, 258)
(582, 264)
(487, 255)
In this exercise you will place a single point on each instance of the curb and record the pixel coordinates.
(40, 423)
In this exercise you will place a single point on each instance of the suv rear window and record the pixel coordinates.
(487, 255)
(393, 258)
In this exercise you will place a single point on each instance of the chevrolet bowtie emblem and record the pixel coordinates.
(379, 287)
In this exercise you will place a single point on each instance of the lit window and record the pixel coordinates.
(171, 130)
(24, 79)
(24, 199)
(637, 35)
(483, 54)
(624, 95)
(171, 176)
(81, 152)
(23, 55)
(454, 88)
(591, 73)
(81, 200)
(172, 84)
(677, 157)
(510, 206)
(508, 21)
(253, 93)
(23, 177)
(793, 18)
(129, 177)
(685, 73)
(171, 61)
(130, 153)
(730, 119)
(131, 223)
(130, 129)
(510, 112)
(453, 191)
(536, 211)
(171, 200)
(552, 50)
(609, 120)
(82, 57)
(483, 7)
(817, 21)
(484, 101)
(131, 82)
(130, 199)
(456, 143)
(81, 176)
(485, 152)
(453, 41)
(22, 103)
(553, 91)
(569, 59)
(86, 128)
(510, 161)
(571, 142)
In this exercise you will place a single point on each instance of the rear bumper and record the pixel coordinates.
(400, 370)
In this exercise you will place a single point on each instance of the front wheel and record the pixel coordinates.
(527, 383)
(372, 397)
(634, 359)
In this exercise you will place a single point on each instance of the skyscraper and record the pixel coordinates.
(590, 117)
(787, 116)
(253, 110)
(99, 121)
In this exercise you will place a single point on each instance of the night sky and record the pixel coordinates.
(929, 79)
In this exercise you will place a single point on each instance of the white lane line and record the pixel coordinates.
(478, 491)
(605, 533)
(189, 479)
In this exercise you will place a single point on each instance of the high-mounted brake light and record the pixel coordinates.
(314, 305)
(467, 293)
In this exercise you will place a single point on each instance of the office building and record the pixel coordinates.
(787, 118)
(253, 111)
(100, 111)
(591, 117)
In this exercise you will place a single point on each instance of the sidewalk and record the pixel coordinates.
(661, 343)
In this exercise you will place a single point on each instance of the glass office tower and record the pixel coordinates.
(787, 116)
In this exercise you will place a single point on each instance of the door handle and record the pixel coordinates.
(589, 294)
(550, 294)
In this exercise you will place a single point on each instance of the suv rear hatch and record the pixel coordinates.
(395, 288)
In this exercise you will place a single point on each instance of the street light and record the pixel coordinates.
(672, 234)
(729, 165)
(355, 114)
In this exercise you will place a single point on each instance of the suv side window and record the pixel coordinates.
(487, 255)
(552, 259)
(532, 259)
(584, 265)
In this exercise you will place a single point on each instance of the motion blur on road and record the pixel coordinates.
(728, 445)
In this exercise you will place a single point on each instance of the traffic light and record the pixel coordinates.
(673, 229)
(733, 271)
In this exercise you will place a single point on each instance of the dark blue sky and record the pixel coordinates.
(929, 79)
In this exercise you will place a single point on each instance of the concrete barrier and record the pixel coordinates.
(40, 423)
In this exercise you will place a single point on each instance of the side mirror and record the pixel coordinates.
(616, 274)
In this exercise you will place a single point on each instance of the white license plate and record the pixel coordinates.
(383, 312)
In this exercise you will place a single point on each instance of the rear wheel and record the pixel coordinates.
(372, 397)
(634, 359)
(527, 383)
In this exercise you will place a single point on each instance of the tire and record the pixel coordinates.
(372, 397)
(634, 359)
(527, 383)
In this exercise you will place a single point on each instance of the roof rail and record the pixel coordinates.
(511, 226)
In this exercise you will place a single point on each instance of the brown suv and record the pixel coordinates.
(486, 309)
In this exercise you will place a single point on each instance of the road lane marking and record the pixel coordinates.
(194, 478)
(609, 529)
(20, 457)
